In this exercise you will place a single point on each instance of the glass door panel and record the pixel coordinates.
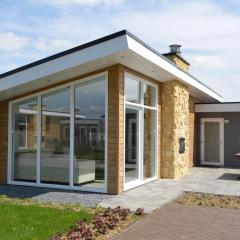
(89, 139)
(212, 141)
(55, 154)
(25, 140)
(212, 149)
(131, 145)
(149, 144)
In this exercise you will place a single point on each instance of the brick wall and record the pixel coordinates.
(115, 129)
(192, 131)
(3, 141)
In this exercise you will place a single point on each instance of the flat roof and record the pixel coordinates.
(201, 86)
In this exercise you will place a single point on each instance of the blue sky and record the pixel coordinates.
(209, 31)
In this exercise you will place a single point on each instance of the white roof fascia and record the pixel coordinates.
(161, 62)
(65, 62)
(217, 107)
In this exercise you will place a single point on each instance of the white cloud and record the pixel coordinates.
(207, 61)
(208, 31)
(10, 41)
(86, 3)
(196, 25)
(52, 45)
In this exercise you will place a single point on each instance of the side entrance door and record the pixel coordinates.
(212, 141)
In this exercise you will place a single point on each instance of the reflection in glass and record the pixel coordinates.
(55, 154)
(89, 134)
(149, 143)
(131, 145)
(132, 87)
(149, 93)
(25, 140)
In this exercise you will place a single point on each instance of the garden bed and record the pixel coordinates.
(210, 200)
(27, 219)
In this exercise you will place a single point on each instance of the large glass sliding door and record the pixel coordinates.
(140, 131)
(58, 137)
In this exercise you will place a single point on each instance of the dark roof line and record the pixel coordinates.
(64, 53)
(219, 103)
(176, 54)
(95, 42)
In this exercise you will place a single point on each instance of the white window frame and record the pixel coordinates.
(39, 95)
(141, 107)
(221, 122)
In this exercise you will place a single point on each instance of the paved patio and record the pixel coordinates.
(156, 194)
(181, 222)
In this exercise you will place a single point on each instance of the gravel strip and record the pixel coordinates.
(53, 195)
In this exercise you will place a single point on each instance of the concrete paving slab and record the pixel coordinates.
(156, 194)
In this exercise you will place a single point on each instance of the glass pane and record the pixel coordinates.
(149, 143)
(131, 145)
(149, 93)
(132, 90)
(89, 158)
(55, 157)
(212, 141)
(25, 140)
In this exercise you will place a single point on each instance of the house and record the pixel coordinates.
(107, 116)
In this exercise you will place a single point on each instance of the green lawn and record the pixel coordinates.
(33, 221)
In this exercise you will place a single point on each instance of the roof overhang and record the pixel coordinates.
(121, 47)
(217, 107)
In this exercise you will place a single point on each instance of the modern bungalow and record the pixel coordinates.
(110, 115)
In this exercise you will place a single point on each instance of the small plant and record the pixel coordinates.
(74, 235)
(100, 224)
(139, 212)
(58, 236)
(124, 213)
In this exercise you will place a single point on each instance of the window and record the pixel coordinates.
(58, 137)
(132, 88)
(140, 131)
(149, 93)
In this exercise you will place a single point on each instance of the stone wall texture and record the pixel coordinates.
(175, 125)
(179, 62)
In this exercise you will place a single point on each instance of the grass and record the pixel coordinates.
(210, 200)
(26, 220)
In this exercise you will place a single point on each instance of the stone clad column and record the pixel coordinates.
(175, 117)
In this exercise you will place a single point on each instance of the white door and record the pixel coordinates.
(212, 141)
